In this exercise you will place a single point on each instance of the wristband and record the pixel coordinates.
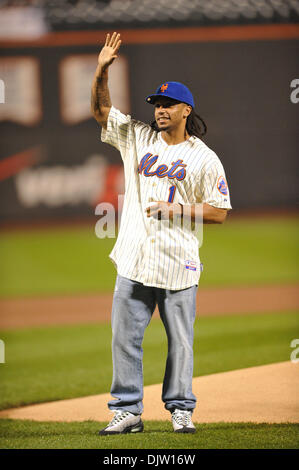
(182, 208)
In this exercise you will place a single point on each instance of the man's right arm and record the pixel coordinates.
(100, 97)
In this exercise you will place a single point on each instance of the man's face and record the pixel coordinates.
(169, 113)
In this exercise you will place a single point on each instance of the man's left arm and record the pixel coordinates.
(196, 212)
(211, 196)
(210, 214)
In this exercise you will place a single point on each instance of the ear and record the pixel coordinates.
(187, 111)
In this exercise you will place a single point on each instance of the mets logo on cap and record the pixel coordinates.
(222, 185)
(164, 87)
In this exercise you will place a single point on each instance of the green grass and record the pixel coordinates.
(74, 260)
(251, 252)
(15, 434)
(44, 364)
(55, 261)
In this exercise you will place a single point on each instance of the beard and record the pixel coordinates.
(163, 127)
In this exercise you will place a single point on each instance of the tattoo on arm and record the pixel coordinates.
(100, 97)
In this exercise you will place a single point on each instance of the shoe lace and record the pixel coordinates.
(118, 417)
(182, 417)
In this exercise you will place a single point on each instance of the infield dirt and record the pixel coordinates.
(263, 394)
(64, 310)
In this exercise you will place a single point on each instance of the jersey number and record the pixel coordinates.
(171, 193)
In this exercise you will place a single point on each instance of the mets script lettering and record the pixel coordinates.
(177, 170)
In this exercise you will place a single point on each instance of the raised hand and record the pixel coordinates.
(110, 50)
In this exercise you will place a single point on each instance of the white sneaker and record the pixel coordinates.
(181, 421)
(123, 422)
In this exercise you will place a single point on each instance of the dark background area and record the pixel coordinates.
(242, 90)
(241, 87)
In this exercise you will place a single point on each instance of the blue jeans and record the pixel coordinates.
(133, 306)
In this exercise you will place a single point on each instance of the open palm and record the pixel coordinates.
(110, 50)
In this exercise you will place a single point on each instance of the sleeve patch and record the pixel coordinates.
(222, 185)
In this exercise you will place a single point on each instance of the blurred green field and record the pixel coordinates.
(45, 364)
(157, 435)
(73, 260)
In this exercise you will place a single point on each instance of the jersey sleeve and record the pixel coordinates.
(119, 131)
(212, 187)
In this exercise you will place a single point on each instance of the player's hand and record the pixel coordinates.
(110, 50)
(162, 210)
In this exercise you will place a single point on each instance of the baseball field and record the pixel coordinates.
(56, 293)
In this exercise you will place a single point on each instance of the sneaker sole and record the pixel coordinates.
(130, 429)
(185, 431)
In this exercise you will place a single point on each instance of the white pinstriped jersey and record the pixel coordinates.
(147, 250)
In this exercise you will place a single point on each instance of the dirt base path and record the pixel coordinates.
(38, 311)
(264, 394)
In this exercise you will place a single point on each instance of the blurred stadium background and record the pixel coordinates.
(238, 57)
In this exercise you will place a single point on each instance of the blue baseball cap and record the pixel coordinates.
(175, 90)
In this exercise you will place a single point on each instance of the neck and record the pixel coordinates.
(175, 136)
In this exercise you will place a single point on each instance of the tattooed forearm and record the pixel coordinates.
(100, 91)
(100, 97)
(102, 94)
